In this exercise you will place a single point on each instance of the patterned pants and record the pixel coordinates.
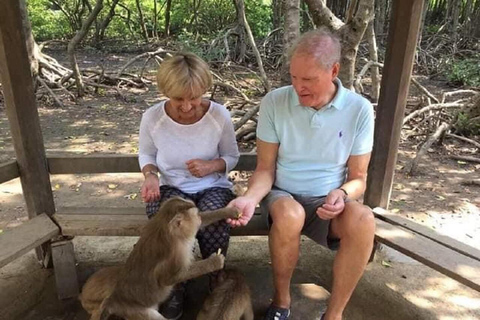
(210, 238)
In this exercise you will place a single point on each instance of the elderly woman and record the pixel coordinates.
(186, 148)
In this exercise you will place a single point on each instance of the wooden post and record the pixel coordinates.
(22, 113)
(402, 40)
(66, 279)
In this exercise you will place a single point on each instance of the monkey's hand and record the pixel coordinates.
(209, 217)
(217, 260)
(213, 263)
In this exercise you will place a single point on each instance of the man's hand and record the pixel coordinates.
(200, 168)
(247, 208)
(150, 189)
(333, 206)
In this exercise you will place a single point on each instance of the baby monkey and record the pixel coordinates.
(230, 300)
(162, 257)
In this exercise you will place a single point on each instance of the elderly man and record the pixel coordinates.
(314, 143)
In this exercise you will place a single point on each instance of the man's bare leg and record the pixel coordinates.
(284, 241)
(355, 228)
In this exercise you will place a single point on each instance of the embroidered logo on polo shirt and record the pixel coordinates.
(340, 134)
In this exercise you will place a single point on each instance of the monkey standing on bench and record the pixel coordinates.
(230, 300)
(162, 257)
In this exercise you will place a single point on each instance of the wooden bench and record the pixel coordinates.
(444, 254)
(17, 241)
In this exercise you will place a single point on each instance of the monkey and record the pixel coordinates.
(162, 257)
(229, 300)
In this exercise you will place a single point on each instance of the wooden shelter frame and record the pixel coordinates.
(48, 233)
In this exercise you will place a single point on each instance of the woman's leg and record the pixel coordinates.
(166, 192)
(217, 235)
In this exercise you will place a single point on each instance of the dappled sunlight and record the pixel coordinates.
(466, 302)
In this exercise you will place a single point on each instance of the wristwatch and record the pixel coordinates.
(346, 193)
(151, 172)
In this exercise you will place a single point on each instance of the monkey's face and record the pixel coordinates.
(184, 218)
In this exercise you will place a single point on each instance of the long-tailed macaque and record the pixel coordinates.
(230, 300)
(162, 257)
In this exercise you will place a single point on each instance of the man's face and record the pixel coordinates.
(312, 83)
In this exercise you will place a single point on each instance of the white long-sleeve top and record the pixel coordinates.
(169, 145)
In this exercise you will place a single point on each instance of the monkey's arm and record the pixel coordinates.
(213, 263)
(211, 216)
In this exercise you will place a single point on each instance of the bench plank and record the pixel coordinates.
(111, 163)
(9, 171)
(29, 235)
(428, 233)
(451, 263)
(129, 225)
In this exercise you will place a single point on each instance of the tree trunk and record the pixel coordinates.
(240, 5)
(32, 47)
(373, 55)
(291, 33)
(241, 46)
(351, 33)
(277, 12)
(380, 16)
(154, 31)
(455, 18)
(141, 20)
(468, 18)
(167, 18)
(76, 40)
(102, 26)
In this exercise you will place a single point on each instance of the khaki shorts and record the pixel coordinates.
(315, 228)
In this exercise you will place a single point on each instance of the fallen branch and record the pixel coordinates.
(229, 86)
(412, 165)
(475, 143)
(248, 115)
(452, 93)
(465, 158)
(143, 55)
(244, 131)
(50, 91)
(437, 106)
(424, 90)
(474, 182)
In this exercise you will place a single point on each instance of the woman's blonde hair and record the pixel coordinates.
(184, 74)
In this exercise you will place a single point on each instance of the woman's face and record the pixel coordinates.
(186, 107)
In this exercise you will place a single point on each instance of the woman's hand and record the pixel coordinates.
(201, 168)
(150, 189)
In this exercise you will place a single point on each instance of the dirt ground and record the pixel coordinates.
(394, 287)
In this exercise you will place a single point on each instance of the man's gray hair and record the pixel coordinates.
(322, 44)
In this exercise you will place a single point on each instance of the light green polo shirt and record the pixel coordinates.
(314, 146)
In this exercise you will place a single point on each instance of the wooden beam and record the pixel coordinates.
(402, 38)
(448, 242)
(106, 163)
(22, 113)
(19, 240)
(451, 263)
(9, 171)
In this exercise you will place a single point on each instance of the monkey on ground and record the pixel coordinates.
(229, 300)
(162, 257)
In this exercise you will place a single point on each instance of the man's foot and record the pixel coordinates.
(172, 309)
(277, 313)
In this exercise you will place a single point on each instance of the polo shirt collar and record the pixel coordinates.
(338, 100)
